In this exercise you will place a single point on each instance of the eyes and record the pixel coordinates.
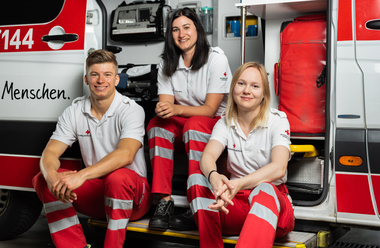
(244, 84)
(95, 74)
(186, 27)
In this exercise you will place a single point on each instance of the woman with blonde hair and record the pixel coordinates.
(253, 202)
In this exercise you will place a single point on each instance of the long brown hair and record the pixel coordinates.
(232, 110)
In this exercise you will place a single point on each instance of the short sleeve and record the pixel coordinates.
(220, 75)
(65, 130)
(164, 84)
(132, 122)
(220, 132)
(280, 129)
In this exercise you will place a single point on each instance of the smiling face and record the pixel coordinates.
(102, 80)
(184, 34)
(249, 91)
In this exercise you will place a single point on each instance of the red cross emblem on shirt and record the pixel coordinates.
(87, 132)
(287, 132)
(225, 74)
(234, 145)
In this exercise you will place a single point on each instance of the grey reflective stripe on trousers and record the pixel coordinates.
(200, 202)
(162, 133)
(267, 188)
(55, 206)
(198, 179)
(195, 155)
(195, 135)
(117, 224)
(63, 224)
(262, 211)
(161, 152)
(118, 204)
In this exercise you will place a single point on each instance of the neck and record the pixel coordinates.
(187, 57)
(100, 106)
(245, 117)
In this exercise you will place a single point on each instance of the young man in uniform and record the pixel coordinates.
(110, 130)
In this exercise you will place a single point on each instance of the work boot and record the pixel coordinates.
(160, 219)
(183, 222)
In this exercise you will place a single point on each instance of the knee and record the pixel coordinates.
(268, 188)
(117, 178)
(195, 122)
(154, 122)
(38, 181)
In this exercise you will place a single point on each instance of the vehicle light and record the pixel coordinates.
(351, 160)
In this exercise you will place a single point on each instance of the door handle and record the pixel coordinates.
(374, 24)
(60, 37)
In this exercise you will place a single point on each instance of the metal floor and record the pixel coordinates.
(38, 236)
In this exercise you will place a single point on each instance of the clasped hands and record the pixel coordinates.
(166, 109)
(62, 184)
(224, 191)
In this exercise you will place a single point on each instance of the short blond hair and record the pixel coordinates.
(232, 110)
(99, 57)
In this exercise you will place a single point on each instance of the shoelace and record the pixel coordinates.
(161, 207)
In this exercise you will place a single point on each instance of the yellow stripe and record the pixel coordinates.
(172, 234)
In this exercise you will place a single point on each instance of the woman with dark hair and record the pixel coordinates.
(193, 85)
(253, 202)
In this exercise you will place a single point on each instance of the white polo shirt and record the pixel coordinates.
(190, 87)
(123, 119)
(248, 154)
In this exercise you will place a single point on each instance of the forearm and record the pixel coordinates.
(49, 164)
(113, 161)
(207, 164)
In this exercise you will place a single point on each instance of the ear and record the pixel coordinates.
(117, 80)
(85, 79)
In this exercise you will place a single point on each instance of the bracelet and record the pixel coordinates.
(209, 174)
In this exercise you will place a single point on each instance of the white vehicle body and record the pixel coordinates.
(40, 77)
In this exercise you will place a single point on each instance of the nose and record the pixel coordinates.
(180, 33)
(100, 79)
(247, 89)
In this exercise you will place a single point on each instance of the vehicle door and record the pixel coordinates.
(42, 54)
(357, 146)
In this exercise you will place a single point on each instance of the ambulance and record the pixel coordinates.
(333, 178)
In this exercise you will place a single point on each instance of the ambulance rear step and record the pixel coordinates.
(140, 229)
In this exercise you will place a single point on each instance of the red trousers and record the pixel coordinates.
(258, 216)
(165, 135)
(118, 197)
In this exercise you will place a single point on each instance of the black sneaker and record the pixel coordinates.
(183, 222)
(160, 219)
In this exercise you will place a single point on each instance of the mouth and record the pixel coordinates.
(246, 98)
(100, 88)
(183, 40)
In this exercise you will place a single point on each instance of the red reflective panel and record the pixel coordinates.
(366, 11)
(344, 20)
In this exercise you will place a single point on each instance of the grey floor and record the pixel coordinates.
(38, 236)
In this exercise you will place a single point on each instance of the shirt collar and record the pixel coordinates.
(111, 110)
(181, 64)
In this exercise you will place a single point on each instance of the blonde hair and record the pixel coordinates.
(232, 110)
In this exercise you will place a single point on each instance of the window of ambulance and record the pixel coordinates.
(41, 57)
(22, 12)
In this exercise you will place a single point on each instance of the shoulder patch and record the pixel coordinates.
(78, 99)
(278, 112)
(217, 50)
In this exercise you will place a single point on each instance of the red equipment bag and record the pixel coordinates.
(300, 74)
